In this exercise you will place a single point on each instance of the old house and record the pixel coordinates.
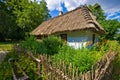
(77, 27)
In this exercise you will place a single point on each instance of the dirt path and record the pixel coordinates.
(2, 55)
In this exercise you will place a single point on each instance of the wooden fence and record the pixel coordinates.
(102, 70)
(60, 71)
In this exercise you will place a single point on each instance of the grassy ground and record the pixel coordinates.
(6, 46)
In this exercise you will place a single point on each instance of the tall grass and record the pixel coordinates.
(84, 58)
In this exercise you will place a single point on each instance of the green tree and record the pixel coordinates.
(97, 11)
(7, 20)
(20, 16)
(110, 26)
(30, 14)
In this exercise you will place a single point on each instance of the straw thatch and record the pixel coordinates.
(78, 19)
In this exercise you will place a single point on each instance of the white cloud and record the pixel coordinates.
(54, 4)
(116, 17)
(112, 6)
(69, 4)
(113, 15)
(72, 4)
(109, 6)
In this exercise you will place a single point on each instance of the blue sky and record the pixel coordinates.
(110, 7)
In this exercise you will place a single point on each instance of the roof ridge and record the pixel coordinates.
(86, 14)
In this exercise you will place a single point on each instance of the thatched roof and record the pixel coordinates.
(80, 18)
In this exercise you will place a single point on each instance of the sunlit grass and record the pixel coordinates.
(6, 46)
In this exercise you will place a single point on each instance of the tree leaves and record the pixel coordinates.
(20, 16)
(110, 26)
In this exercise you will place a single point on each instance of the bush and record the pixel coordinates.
(29, 67)
(52, 44)
(5, 68)
(49, 45)
(33, 45)
(84, 58)
(25, 63)
(80, 58)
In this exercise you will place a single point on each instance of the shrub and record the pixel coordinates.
(29, 67)
(5, 68)
(84, 58)
(80, 58)
(33, 45)
(25, 63)
(52, 44)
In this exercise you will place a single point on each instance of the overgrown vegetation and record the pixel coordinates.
(116, 66)
(22, 16)
(82, 58)
(29, 67)
(50, 45)
(5, 68)
(24, 62)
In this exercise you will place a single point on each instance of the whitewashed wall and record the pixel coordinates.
(78, 39)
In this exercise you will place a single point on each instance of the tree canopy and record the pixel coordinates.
(110, 26)
(20, 16)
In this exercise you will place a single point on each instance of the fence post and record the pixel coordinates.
(76, 74)
(93, 72)
(70, 71)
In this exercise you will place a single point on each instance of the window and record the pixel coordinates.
(93, 38)
(63, 37)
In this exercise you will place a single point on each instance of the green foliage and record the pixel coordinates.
(5, 71)
(97, 11)
(25, 63)
(52, 44)
(110, 26)
(116, 66)
(80, 58)
(29, 67)
(106, 45)
(20, 16)
(7, 21)
(49, 45)
(32, 44)
(30, 14)
(5, 68)
(84, 58)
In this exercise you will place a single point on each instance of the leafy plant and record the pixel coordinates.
(31, 44)
(5, 68)
(49, 45)
(28, 66)
(52, 44)
(84, 58)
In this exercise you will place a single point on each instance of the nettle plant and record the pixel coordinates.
(49, 45)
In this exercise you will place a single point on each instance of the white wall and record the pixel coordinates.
(78, 39)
